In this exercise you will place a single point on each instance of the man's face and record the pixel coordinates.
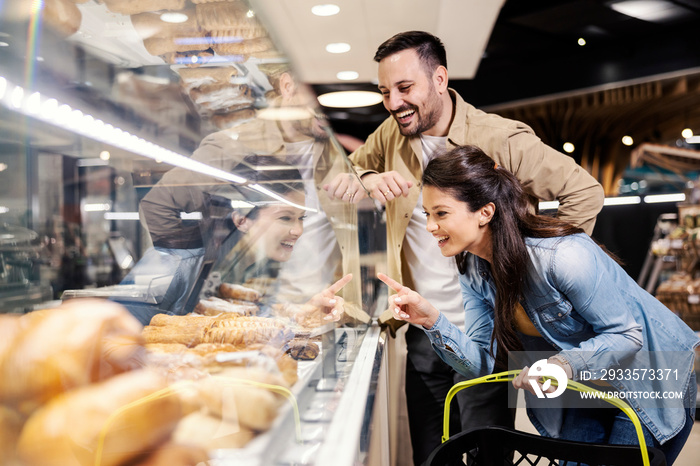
(409, 94)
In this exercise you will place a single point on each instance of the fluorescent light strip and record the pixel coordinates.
(61, 115)
(122, 216)
(623, 200)
(259, 188)
(658, 198)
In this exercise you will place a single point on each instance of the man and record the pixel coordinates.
(427, 118)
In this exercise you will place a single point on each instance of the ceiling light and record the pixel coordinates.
(568, 147)
(338, 47)
(581, 41)
(325, 10)
(105, 155)
(627, 140)
(4, 44)
(173, 17)
(649, 10)
(350, 99)
(687, 133)
(347, 75)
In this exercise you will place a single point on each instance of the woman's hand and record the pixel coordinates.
(408, 305)
(328, 302)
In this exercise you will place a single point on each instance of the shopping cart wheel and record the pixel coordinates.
(496, 446)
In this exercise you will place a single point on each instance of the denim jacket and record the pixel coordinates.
(586, 307)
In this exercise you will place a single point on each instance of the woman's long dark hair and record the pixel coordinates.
(470, 176)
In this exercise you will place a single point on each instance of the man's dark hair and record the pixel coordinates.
(429, 48)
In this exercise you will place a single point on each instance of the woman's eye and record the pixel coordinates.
(286, 219)
(302, 218)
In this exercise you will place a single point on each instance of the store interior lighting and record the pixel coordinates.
(338, 47)
(350, 99)
(655, 11)
(347, 75)
(327, 9)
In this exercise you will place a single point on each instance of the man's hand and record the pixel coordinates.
(408, 305)
(345, 187)
(383, 187)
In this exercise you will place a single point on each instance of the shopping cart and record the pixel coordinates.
(497, 446)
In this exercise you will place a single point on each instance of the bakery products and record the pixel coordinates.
(175, 454)
(196, 77)
(213, 306)
(62, 16)
(132, 7)
(211, 432)
(303, 349)
(233, 291)
(186, 335)
(233, 118)
(81, 342)
(117, 417)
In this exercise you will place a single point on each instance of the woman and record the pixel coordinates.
(534, 283)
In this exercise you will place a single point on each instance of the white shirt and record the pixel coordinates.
(435, 276)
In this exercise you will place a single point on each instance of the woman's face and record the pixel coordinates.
(455, 228)
(277, 228)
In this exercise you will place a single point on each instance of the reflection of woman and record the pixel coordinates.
(535, 283)
(170, 268)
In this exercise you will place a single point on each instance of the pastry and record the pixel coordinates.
(303, 349)
(115, 417)
(132, 7)
(233, 291)
(188, 336)
(55, 350)
(215, 306)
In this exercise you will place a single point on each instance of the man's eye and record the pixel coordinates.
(405, 88)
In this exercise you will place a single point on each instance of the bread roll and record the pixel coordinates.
(81, 342)
(167, 348)
(113, 414)
(11, 423)
(236, 397)
(245, 47)
(188, 336)
(211, 432)
(216, 306)
(174, 454)
(132, 7)
(62, 16)
(150, 25)
(189, 320)
(225, 15)
(234, 291)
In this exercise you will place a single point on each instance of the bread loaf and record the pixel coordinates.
(132, 7)
(81, 342)
(62, 16)
(211, 432)
(114, 419)
(188, 336)
(234, 291)
(216, 306)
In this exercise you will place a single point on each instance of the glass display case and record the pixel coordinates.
(168, 255)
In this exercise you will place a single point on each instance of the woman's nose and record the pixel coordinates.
(297, 229)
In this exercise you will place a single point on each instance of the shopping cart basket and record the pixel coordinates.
(497, 446)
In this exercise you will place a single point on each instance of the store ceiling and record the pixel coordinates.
(532, 52)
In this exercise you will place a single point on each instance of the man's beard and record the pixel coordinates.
(433, 109)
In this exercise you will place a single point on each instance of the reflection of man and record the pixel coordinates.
(426, 118)
(300, 141)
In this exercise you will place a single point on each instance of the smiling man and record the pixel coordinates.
(428, 118)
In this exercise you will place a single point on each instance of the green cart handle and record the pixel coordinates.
(572, 385)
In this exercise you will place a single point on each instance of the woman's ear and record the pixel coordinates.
(486, 213)
(242, 222)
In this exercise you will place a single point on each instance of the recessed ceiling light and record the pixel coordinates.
(649, 10)
(687, 133)
(347, 75)
(105, 155)
(173, 17)
(4, 44)
(568, 147)
(627, 140)
(338, 47)
(325, 10)
(350, 99)
(581, 41)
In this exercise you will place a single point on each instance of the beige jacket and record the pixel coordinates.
(545, 173)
